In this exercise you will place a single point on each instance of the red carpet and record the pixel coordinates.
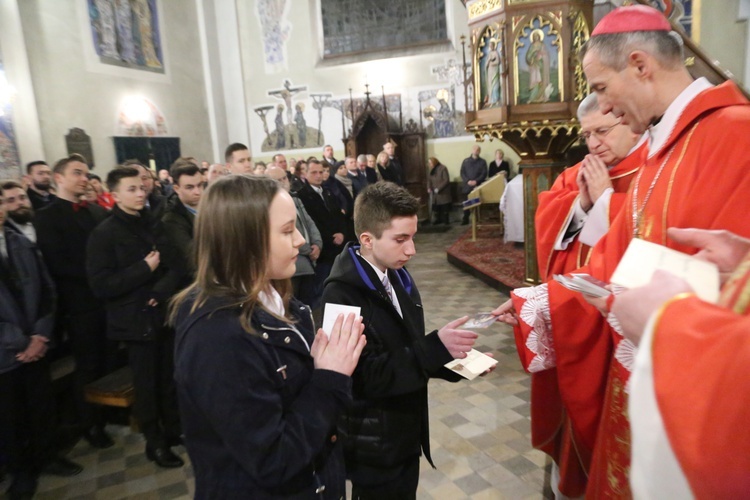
(496, 263)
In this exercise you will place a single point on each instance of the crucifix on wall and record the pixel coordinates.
(286, 94)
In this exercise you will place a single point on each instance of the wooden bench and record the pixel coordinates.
(115, 389)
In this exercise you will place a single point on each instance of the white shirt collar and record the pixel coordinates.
(272, 301)
(662, 130)
(377, 270)
(381, 275)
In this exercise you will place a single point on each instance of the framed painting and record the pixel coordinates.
(126, 33)
(538, 68)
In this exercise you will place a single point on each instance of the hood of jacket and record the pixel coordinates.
(351, 268)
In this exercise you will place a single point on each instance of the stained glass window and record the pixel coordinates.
(354, 26)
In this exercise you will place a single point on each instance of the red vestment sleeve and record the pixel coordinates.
(701, 362)
(554, 209)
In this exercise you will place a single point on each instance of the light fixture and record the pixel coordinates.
(7, 92)
(136, 109)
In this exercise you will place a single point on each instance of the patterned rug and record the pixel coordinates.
(496, 263)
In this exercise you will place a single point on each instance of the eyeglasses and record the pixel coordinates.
(598, 133)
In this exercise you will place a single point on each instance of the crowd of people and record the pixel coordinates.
(93, 266)
(635, 394)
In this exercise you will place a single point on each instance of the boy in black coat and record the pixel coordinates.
(387, 428)
(128, 259)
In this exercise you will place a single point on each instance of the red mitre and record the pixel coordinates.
(632, 18)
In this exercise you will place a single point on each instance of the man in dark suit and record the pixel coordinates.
(63, 229)
(326, 213)
(328, 158)
(387, 426)
(393, 162)
(179, 216)
(357, 175)
(39, 179)
(19, 213)
(27, 317)
(127, 260)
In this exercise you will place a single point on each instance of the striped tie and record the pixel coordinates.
(388, 288)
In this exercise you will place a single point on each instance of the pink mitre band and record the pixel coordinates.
(632, 18)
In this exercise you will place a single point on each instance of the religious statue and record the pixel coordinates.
(492, 70)
(301, 123)
(538, 60)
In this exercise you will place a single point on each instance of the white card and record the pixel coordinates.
(473, 365)
(332, 311)
(642, 258)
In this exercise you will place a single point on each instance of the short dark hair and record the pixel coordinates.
(11, 184)
(184, 168)
(378, 203)
(237, 146)
(115, 176)
(133, 163)
(182, 160)
(276, 156)
(62, 163)
(94, 176)
(30, 166)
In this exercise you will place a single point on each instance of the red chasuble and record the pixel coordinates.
(555, 207)
(699, 178)
(703, 403)
(550, 427)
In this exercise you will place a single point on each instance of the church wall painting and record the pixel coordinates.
(275, 30)
(9, 158)
(285, 123)
(139, 117)
(126, 33)
(490, 69)
(682, 12)
(441, 117)
(538, 62)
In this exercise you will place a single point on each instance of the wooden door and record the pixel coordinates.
(371, 138)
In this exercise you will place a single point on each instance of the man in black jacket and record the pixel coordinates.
(325, 211)
(127, 264)
(39, 179)
(179, 216)
(393, 163)
(155, 202)
(388, 427)
(473, 173)
(63, 230)
(27, 318)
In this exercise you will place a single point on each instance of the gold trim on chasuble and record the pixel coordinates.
(641, 220)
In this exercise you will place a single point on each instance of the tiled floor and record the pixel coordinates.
(479, 429)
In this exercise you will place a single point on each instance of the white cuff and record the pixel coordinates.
(597, 223)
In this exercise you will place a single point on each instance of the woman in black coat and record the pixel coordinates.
(259, 392)
(386, 171)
